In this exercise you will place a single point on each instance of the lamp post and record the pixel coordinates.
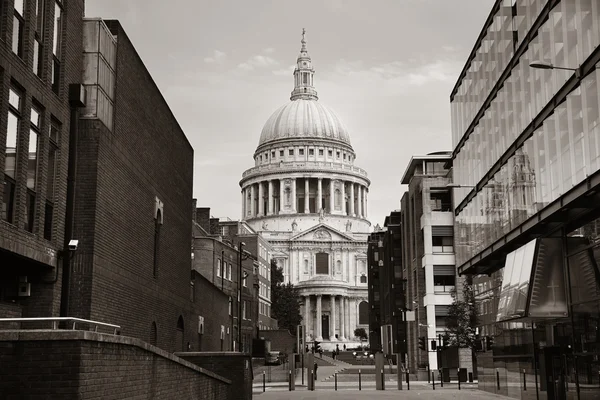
(545, 65)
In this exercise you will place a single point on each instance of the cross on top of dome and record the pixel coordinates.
(303, 75)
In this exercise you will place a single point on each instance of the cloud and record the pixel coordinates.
(217, 57)
(285, 71)
(269, 50)
(258, 61)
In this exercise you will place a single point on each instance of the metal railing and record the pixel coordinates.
(74, 321)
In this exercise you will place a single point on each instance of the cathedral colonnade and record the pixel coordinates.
(331, 317)
(301, 196)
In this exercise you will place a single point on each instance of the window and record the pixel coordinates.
(53, 134)
(230, 305)
(442, 244)
(291, 152)
(322, 263)
(18, 23)
(281, 153)
(32, 163)
(330, 153)
(260, 158)
(10, 162)
(38, 37)
(301, 152)
(320, 152)
(363, 278)
(311, 152)
(244, 309)
(344, 156)
(272, 154)
(440, 200)
(56, 46)
(157, 224)
(229, 271)
(219, 266)
(338, 154)
(245, 281)
(443, 283)
(363, 313)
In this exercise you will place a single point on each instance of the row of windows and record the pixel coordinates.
(301, 152)
(26, 138)
(224, 269)
(18, 42)
(265, 309)
(264, 290)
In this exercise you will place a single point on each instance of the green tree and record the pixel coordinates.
(285, 301)
(361, 333)
(462, 319)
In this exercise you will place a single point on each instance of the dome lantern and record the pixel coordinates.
(303, 75)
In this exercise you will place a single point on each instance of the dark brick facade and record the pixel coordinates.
(121, 173)
(87, 365)
(37, 257)
(236, 367)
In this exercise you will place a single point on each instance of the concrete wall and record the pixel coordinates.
(79, 364)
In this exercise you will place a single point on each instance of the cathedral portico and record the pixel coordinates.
(306, 196)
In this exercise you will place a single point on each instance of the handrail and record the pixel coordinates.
(56, 320)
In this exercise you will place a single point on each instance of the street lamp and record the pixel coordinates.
(545, 65)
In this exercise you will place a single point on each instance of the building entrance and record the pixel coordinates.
(325, 325)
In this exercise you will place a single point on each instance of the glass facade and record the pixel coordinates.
(523, 138)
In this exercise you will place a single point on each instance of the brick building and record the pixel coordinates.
(39, 59)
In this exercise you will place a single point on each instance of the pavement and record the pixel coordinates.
(447, 394)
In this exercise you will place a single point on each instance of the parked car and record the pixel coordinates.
(272, 358)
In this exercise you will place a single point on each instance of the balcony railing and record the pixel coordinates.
(72, 322)
(305, 164)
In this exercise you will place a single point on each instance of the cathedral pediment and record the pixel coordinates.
(321, 233)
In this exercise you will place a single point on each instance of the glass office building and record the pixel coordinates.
(526, 160)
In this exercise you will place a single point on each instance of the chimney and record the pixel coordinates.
(203, 218)
(214, 226)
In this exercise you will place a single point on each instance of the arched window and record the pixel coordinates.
(179, 340)
(153, 334)
(338, 266)
(363, 279)
(363, 313)
(306, 266)
(157, 225)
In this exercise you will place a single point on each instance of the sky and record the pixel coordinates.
(386, 68)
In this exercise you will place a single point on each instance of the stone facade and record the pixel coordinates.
(308, 199)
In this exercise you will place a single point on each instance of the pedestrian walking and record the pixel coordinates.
(315, 368)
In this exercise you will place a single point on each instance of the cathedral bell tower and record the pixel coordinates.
(303, 75)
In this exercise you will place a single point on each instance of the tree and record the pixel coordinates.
(462, 319)
(361, 333)
(285, 301)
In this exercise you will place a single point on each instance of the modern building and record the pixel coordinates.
(375, 255)
(308, 199)
(428, 261)
(39, 59)
(527, 155)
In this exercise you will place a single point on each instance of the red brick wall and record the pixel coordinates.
(76, 364)
(120, 173)
(13, 238)
(236, 367)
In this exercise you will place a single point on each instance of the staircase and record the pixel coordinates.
(336, 362)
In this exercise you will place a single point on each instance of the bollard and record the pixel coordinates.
(441, 378)
(383, 379)
(408, 381)
(433, 379)
(458, 381)
(336, 381)
(498, 379)
(290, 381)
(309, 376)
(264, 381)
(359, 381)
(428, 375)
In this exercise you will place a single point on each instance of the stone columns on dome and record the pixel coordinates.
(344, 209)
(319, 330)
(365, 204)
(360, 202)
(253, 200)
(319, 202)
(342, 319)
(261, 199)
(294, 198)
(331, 196)
(280, 211)
(270, 195)
(333, 318)
(351, 200)
(306, 195)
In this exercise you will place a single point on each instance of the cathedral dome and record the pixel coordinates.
(304, 118)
